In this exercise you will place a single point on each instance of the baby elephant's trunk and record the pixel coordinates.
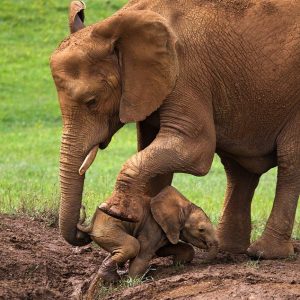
(213, 249)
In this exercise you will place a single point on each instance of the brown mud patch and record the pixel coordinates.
(35, 263)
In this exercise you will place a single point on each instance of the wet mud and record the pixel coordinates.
(36, 263)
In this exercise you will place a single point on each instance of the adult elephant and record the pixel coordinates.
(198, 77)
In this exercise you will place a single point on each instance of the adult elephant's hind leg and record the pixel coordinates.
(234, 228)
(275, 241)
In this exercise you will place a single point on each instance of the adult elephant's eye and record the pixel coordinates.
(201, 230)
(91, 103)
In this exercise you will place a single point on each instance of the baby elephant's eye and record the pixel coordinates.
(201, 230)
(91, 103)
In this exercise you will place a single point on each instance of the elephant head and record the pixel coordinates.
(180, 219)
(115, 71)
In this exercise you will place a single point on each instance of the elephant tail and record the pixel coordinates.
(80, 225)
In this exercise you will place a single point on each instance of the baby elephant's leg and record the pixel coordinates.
(127, 251)
(122, 249)
(106, 273)
(139, 265)
(181, 252)
(108, 270)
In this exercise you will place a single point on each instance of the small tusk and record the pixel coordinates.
(88, 160)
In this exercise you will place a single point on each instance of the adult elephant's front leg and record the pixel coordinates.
(146, 133)
(168, 153)
(234, 228)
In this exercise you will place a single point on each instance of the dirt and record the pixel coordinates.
(35, 263)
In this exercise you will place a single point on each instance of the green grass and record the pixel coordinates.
(106, 290)
(30, 125)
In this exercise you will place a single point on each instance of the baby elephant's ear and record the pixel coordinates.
(169, 211)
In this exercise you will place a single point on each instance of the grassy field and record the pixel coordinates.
(30, 125)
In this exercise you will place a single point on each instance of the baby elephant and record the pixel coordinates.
(167, 218)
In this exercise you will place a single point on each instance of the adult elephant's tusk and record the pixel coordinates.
(88, 160)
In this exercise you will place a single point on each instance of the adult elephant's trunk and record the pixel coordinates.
(71, 192)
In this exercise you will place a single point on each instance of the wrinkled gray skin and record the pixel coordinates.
(166, 219)
(198, 77)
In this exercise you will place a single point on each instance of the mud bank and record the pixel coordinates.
(35, 263)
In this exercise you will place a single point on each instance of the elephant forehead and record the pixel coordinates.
(76, 82)
(73, 64)
(197, 218)
(68, 57)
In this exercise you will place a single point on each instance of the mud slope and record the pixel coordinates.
(35, 263)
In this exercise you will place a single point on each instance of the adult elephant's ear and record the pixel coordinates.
(76, 15)
(170, 209)
(146, 47)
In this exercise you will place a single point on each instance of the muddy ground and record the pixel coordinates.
(35, 263)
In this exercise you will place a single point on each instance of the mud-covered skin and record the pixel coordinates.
(166, 218)
(226, 80)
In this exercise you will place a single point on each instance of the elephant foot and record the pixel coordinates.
(107, 274)
(109, 277)
(108, 271)
(124, 210)
(232, 243)
(270, 248)
(232, 248)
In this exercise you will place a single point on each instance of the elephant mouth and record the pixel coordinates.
(104, 144)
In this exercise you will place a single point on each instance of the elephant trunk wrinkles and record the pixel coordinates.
(71, 194)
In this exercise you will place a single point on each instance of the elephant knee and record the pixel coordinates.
(198, 160)
(127, 251)
(133, 248)
(201, 163)
(139, 266)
